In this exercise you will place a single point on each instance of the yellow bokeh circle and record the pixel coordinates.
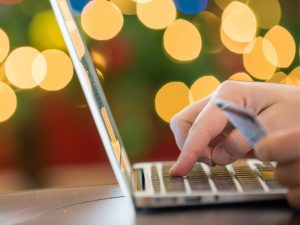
(284, 44)
(101, 20)
(127, 7)
(260, 58)
(233, 46)
(156, 14)
(209, 25)
(170, 99)
(294, 77)
(239, 22)
(267, 12)
(59, 70)
(224, 3)
(22, 65)
(203, 87)
(182, 41)
(241, 76)
(44, 32)
(278, 78)
(8, 102)
(4, 45)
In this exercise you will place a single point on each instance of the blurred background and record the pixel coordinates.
(153, 57)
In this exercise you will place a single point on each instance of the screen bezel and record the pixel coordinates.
(94, 93)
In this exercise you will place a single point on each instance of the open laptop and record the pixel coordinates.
(149, 184)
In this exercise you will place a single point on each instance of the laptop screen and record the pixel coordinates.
(93, 91)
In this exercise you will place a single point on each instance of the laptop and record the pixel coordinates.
(148, 184)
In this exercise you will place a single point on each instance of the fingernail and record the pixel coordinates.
(172, 169)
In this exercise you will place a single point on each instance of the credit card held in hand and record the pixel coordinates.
(243, 120)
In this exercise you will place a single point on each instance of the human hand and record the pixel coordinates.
(284, 147)
(200, 132)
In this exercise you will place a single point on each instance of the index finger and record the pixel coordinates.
(209, 123)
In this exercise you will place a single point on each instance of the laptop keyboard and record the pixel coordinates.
(240, 178)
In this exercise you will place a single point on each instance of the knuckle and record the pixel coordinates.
(227, 85)
(175, 122)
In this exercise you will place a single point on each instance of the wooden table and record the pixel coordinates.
(106, 205)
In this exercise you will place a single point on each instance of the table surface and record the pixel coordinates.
(106, 205)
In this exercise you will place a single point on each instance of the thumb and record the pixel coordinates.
(282, 146)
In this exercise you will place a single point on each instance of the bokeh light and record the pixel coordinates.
(2, 72)
(239, 22)
(4, 45)
(78, 5)
(22, 65)
(156, 14)
(44, 32)
(241, 76)
(203, 87)
(224, 3)
(233, 46)
(8, 102)
(101, 20)
(191, 6)
(284, 45)
(182, 41)
(98, 59)
(10, 2)
(170, 99)
(278, 77)
(59, 70)
(127, 7)
(209, 25)
(267, 12)
(74, 33)
(294, 77)
(258, 57)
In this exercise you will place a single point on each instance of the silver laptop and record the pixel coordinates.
(149, 184)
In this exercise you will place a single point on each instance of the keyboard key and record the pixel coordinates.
(222, 179)
(247, 178)
(198, 180)
(172, 184)
(266, 172)
(155, 179)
